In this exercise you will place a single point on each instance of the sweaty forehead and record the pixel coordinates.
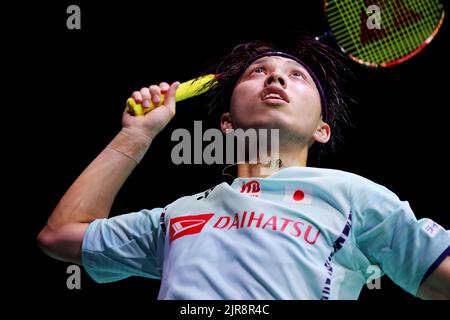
(276, 59)
(284, 61)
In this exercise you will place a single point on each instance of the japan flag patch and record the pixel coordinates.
(297, 195)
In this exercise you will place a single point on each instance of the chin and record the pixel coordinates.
(263, 117)
(263, 122)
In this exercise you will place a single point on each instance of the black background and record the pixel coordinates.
(67, 93)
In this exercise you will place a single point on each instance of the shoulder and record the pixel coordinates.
(357, 184)
(361, 190)
(331, 176)
(192, 200)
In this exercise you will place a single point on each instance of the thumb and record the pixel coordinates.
(169, 99)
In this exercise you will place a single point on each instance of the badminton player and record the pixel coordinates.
(296, 232)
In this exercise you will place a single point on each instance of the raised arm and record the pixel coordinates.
(92, 194)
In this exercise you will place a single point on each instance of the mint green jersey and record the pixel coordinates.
(302, 233)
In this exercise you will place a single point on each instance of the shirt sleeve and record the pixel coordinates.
(388, 233)
(127, 245)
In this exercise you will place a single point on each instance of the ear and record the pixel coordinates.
(322, 133)
(225, 122)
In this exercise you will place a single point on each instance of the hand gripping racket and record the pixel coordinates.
(185, 90)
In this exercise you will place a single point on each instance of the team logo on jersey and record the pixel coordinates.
(186, 225)
(251, 188)
(298, 195)
(296, 228)
(431, 227)
(193, 224)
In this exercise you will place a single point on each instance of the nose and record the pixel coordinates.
(274, 79)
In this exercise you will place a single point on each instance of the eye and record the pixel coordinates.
(258, 70)
(298, 74)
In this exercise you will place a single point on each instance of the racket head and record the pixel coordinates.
(404, 28)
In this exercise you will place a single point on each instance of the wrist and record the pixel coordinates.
(132, 143)
(138, 133)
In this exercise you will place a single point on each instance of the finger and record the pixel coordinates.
(137, 96)
(164, 86)
(169, 100)
(145, 93)
(155, 91)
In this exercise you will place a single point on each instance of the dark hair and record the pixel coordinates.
(327, 64)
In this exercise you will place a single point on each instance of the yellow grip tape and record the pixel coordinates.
(185, 90)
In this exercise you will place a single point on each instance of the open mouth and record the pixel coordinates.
(273, 94)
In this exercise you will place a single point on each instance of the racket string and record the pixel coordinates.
(406, 28)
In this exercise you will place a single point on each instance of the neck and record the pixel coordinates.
(288, 157)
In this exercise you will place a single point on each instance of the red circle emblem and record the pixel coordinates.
(298, 195)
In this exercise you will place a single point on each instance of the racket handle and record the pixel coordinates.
(185, 90)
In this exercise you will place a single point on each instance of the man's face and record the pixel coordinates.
(277, 92)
